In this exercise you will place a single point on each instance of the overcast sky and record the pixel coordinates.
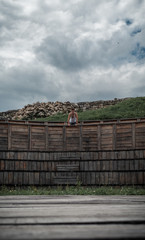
(70, 50)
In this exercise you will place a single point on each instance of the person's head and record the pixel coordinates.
(72, 109)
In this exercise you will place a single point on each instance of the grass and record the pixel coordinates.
(129, 108)
(72, 190)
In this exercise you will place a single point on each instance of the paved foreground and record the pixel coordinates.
(72, 217)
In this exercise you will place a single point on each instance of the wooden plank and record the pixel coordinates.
(25, 178)
(20, 178)
(102, 178)
(42, 178)
(140, 178)
(12, 165)
(99, 137)
(121, 178)
(114, 137)
(101, 220)
(18, 129)
(26, 165)
(31, 178)
(46, 137)
(2, 165)
(54, 128)
(123, 126)
(15, 178)
(29, 138)
(56, 137)
(1, 178)
(3, 137)
(106, 178)
(9, 136)
(98, 182)
(140, 125)
(92, 178)
(133, 178)
(115, 178)
(67, 167)
(5, 178)
(38, 129)
(48, 178)
(81, 138)
(110, 178)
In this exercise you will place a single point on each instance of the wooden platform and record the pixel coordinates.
(72, 217)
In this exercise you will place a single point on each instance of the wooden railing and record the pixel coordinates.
(86, 136)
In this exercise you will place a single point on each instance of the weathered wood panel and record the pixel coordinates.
(89, 138)
(107, 137)
(140, 135)
(38, 138)
(3, 136)
(55, 138)
(122, 167)
(124, 136)
(19, 137)
(72, 138)
(84, 137)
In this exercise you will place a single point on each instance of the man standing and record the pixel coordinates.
(72, 117)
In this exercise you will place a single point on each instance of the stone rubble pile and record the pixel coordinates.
(42, 110)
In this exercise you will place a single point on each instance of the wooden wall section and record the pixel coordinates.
(122, 167)
(87, 136)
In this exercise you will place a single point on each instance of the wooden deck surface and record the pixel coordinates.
(72, 217)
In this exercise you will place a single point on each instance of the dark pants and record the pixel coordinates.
(72, 123)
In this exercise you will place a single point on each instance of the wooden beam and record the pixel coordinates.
(99, 137)
(46, 136)
(29, 137)
(81, 137)
(64, 138)
(114, 137)
(9, 136)
(133, 135)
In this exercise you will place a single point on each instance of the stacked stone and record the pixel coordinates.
(42, 110)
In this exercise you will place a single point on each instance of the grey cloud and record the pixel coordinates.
(11, 17)
(26, 85)
(75, 50)
(63, 53)
(10, 13)
(139, 52)
(77, 46)
(128, 21)
(136, 31)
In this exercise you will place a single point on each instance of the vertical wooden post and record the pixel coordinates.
(99, 137)
(133, 135)
(64, 138)
(81, 137)
(29, 137)
(46, 136)
(114, 136)
(9, 136)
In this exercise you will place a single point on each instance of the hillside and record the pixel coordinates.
(129, 108)
(47, 109)
(96, 110)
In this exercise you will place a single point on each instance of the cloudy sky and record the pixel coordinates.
(70, 50)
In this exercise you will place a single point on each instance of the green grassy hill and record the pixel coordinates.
(130, 108)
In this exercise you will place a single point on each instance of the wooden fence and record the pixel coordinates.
(120, 167)
(87, 136)
(93, 153)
